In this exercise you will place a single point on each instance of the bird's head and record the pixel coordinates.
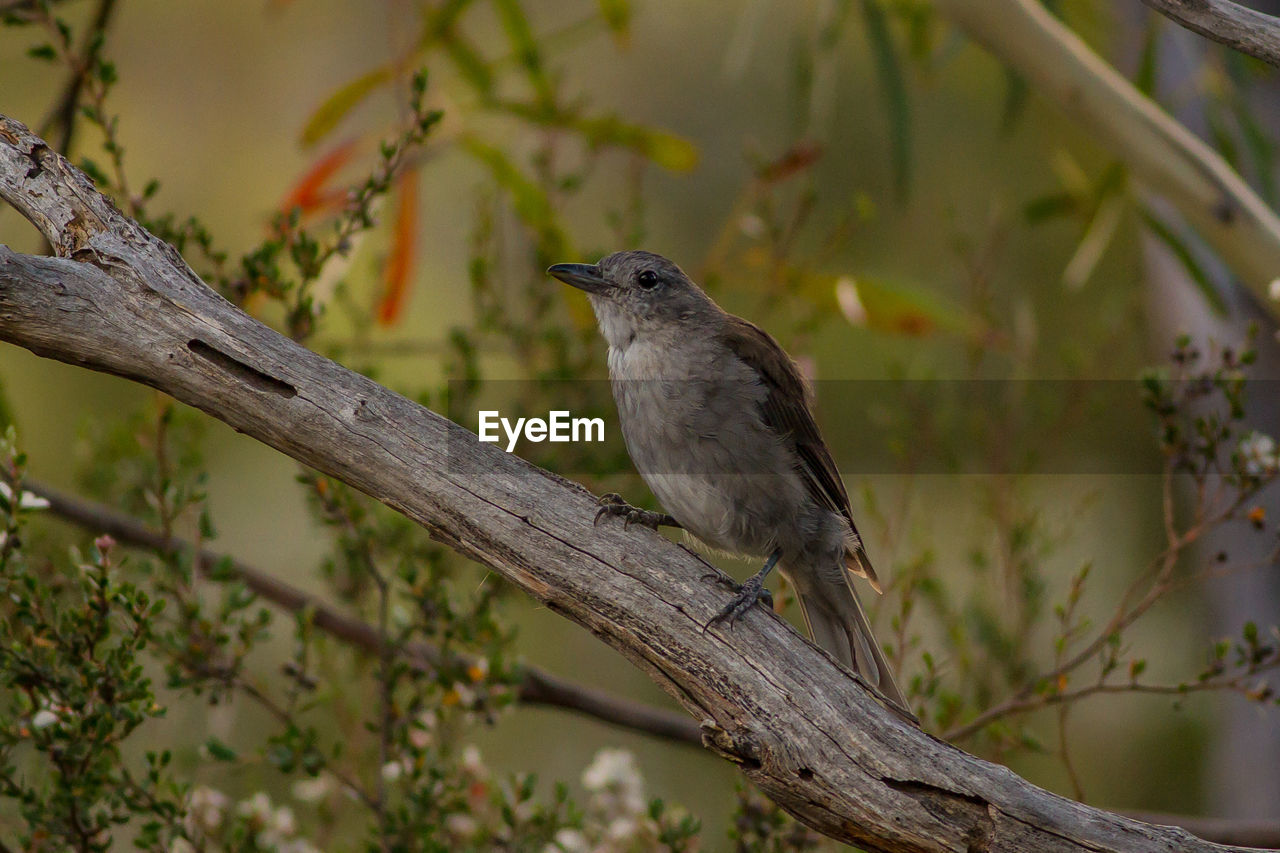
(636, 294)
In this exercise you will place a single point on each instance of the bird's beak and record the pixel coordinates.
(582, 276)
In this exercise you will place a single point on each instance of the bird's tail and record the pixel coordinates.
(838, 624)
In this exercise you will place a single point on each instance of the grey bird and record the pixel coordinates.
(717, 419)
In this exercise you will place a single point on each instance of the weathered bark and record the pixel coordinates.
(1236, 26)
(800, 726)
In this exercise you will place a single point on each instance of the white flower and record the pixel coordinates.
(392, 770)
(182, 845)
(1273, 290)
(313, 790)
(257, 808)
(297, 845)
(43, 719)
(752, 226)
(622, 829)
(609, 768)
(568, 841)
(614, 782)
(282, 821)
(466, 696)
(276, 825)
(850, 302)
(204, 809)
(26, 500)
(461, 825)
(1258, 452)
(471, 762)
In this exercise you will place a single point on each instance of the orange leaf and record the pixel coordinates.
(793, 161)
(309, 193)
(396, 274)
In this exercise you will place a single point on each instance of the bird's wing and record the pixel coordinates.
(786, 410)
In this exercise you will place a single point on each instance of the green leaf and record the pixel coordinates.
(893, 85)
(1222, 138)
(1016, 92)
(340, 102)
(1188, 260)
(1050, 207)
(516, 25)
(442, 20)
(470, 64)
(1093, 244)
(664, 148)
(219, 751)
(530, 202)
(1148, 62)
(617, 15)
(1261, 150)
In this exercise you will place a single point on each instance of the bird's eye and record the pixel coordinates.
(648, 279)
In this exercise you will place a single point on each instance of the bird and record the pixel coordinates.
(718, 420)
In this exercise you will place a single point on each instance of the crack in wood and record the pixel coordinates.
(247, 374)
(953, 807)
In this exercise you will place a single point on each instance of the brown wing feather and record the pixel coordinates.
(786, 410)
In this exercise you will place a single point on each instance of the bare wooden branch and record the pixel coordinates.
(1169, 160)
(1236, 26)
(536, 687)
(1258, 834)
(797, 724)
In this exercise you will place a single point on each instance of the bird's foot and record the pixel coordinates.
(612, 504)
(749, 593)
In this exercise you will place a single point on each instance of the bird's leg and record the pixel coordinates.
(749, 593)
(613, 504)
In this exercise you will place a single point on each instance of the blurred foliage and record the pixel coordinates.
(998, 637)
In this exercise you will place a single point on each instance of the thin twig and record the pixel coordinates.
(63, 113)
(283, 716)
(1125, 615)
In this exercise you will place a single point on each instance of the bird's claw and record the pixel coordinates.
(748, 593)
(613, 504)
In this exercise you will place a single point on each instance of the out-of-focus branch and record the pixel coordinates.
(536, 687)
(63, 113)
(25, 9)
(1236, 26)
(1166, 157)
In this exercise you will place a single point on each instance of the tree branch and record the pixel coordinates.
(1170, 160)
(1228, 23)
(536, 687)
(1259, 834)
(803, 729)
